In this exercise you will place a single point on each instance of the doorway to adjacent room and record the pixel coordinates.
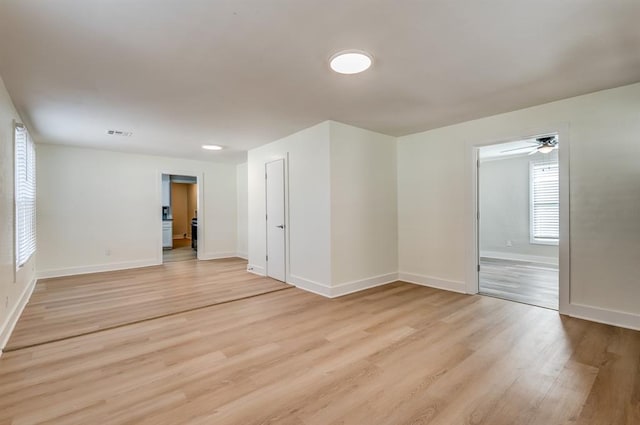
(519, 221)
(179, 218)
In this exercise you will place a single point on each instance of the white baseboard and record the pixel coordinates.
(70, 271)
(519, 257)
(242, 255)
(342, 288)
(256, 270)
(608, 317)
(433, 282)
(216, 255)
(11, 320)
(310, 286)
(362, 284)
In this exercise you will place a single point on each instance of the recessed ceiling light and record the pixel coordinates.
(212, 147)
(350, 62)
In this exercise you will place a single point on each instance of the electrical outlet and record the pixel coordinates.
(509, 243)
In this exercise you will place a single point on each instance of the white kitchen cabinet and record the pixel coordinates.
(167, 234)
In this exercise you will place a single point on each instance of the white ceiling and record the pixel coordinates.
(182, 73)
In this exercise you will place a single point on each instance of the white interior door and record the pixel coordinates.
(274, 174)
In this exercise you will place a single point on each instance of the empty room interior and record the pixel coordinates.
(319, 213)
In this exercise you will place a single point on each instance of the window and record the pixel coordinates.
(25, 195)
(545, 202)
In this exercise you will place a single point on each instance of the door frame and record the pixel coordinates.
(472, 150)
(200, 205)
(285, 164)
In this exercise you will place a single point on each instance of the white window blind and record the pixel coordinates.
(25, 195)
(545, 202)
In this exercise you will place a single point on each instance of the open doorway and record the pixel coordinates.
(519, 221)
(179, 218)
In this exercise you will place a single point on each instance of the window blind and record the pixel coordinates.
(25, 195)
(545, 202)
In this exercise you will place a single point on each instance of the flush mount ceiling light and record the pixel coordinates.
(212, 147)
(350, 62)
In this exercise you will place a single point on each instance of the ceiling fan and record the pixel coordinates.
(542, 144)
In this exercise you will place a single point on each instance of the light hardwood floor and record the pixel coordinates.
(182, 253)
(69, 306)
(397, 354)
(521, 281)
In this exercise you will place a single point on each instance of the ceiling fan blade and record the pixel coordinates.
(517, 149)
(533, 151)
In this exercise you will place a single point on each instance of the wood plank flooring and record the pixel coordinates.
(521, 281)
(182, 253)
(69, 306)
(393, 355)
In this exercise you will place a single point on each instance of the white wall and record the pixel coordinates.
(309, 206)
(342, 215)
(364, 238)
(504, 196)
(604, 196)
(431, 212)
(100, 210)
(242, 244)
(15, 286)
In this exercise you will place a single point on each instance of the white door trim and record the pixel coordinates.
(200, 205)
(472, 251)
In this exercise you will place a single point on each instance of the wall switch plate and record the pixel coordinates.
(509, 243)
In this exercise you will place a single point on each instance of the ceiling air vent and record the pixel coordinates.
(119, 133)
